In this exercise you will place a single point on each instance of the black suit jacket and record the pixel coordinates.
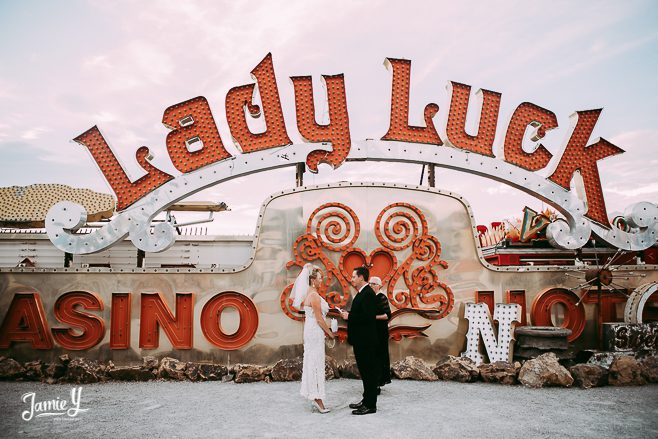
(361, 324)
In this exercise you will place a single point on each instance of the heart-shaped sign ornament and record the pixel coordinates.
(381, 263)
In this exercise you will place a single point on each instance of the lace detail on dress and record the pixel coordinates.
(313, 365)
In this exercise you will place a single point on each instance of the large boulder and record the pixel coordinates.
(544, 371)
(288, 369)
(589, 375)
(625, 371)
(171, 368)
(460, 369)
(249, 373)
(650, 368)
(130, 373)
(83, 371)
(500, 372)
(349, 369)
(412, 368)
(10, 369)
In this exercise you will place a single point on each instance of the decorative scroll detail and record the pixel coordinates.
(399, 226)
(334, 224)
(66, 217)
(398, 229)
(642, 221)
(571, 234)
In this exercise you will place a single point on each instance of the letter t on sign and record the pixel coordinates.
(479, 323)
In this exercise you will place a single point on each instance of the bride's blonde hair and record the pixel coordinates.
(313, 271)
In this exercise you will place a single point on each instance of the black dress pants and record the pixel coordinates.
(369, 368)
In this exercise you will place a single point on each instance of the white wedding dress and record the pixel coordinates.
(313, 366)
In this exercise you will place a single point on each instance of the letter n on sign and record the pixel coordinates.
(480, 324)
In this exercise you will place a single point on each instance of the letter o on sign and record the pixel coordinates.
(574, 318)
(211, 320)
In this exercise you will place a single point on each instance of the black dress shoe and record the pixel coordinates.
(356, 405)
(363, 411)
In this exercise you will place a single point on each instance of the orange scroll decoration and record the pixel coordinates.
(399, 227)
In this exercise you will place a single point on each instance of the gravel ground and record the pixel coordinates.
(405, 409)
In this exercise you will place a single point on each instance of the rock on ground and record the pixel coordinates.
(625, 371)
(83, 371)
(412, 368)
(288, 369)
(460, 369)
(10, 369)
(500, 372)
(589, 375)
(249, 373)
(172, 368)
(544, 371)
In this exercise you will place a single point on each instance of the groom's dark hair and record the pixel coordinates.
(363, 272)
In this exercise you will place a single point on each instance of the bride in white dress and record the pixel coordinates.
(305, 292)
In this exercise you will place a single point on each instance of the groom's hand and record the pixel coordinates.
(344, 314)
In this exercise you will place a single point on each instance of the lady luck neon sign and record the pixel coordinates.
(196, 149)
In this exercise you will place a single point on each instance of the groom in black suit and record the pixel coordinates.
(362, 335)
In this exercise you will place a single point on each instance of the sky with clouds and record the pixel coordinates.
(67, 66)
